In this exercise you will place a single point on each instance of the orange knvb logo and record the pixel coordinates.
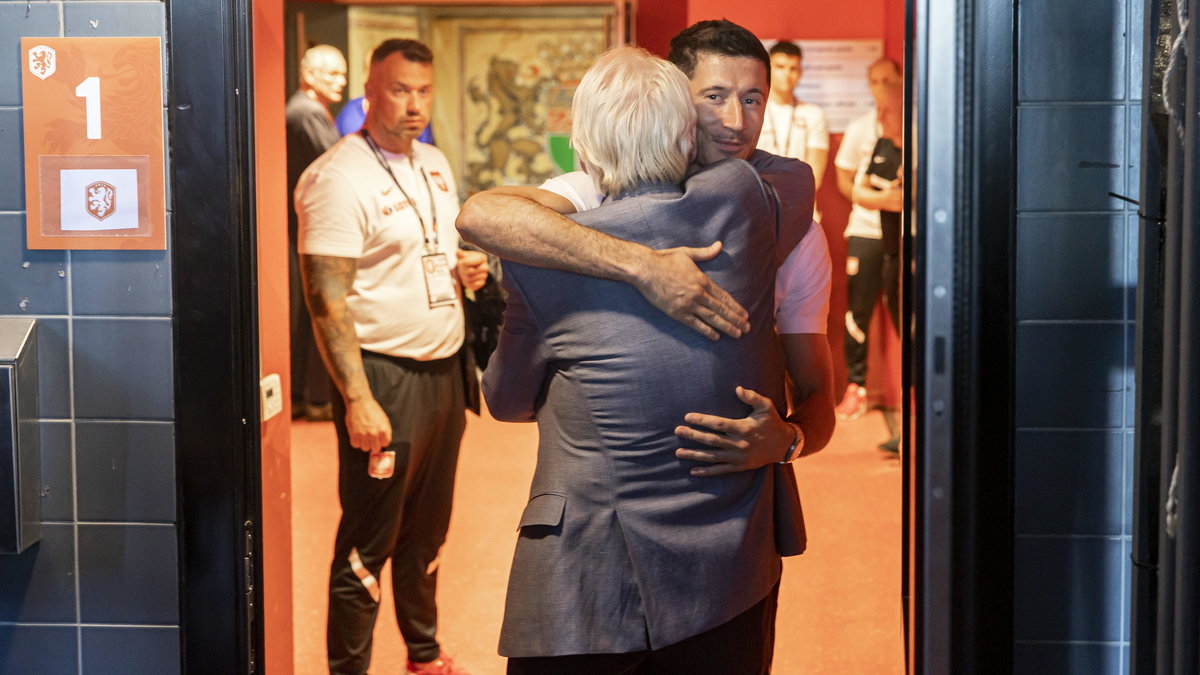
(42, 61)
(101, 200)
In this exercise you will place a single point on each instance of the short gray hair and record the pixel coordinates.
(634, 121)
(315, 57)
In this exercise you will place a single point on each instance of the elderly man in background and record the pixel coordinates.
(310, 132)
(871, 253)
(627, 559)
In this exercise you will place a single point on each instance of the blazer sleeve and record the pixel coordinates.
(516, 373)
(791, 184)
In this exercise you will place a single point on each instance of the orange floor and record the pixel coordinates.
(839, 603)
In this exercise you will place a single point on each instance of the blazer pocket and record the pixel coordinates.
(545, 510)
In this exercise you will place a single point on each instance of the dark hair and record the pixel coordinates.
(722, 37)
(412, 50)
(788, 48)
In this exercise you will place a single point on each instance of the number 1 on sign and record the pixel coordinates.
(89, 90)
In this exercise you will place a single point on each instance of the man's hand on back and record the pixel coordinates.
(760, 438)
(673, 283)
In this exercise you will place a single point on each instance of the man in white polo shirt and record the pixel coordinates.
(864, 235)
(382, 273)
(791, 127)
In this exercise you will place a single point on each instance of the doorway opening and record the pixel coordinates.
(851, 486)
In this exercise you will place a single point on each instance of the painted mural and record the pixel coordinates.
(516, 110)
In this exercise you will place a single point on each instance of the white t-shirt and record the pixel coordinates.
(857, 145)
(793, 130)
(801, 284)
(349, 207)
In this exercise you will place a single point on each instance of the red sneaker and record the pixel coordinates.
(853, 405)
(443, 665)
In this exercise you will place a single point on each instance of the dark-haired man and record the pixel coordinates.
(383, 275)
(791, 127)
(729, 76)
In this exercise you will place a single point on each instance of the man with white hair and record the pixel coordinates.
(627, 559)
(728, 73)
(310, 132)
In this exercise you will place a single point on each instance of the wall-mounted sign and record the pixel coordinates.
(93, 114)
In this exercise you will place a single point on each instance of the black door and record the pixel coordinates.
(212, 226)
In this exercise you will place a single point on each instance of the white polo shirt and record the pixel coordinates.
(857, 145)
(349, 207)
(793, 130)
(802, 282)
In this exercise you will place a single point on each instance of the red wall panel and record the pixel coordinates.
(271, 201)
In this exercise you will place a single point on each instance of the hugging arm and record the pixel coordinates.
(810, 368)
(763, 436)
(527, 225)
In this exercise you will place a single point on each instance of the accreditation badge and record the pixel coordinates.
(439, 283)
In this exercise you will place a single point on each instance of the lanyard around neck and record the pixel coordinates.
(431, 239)
(791, 124)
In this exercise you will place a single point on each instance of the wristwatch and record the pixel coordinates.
(794, 449)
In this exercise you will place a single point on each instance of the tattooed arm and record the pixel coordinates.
(327, 282)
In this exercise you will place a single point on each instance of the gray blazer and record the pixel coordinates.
(620, 548)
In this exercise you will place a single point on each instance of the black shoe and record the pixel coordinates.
(891, 445)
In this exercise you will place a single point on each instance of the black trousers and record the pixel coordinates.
(310, 381)
(403, 518)
(868, 271)
(744, 645)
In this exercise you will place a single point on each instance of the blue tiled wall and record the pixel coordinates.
(1079, 85)
(99, 593)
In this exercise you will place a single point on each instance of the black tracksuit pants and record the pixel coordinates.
(403, 518)
(869, 271)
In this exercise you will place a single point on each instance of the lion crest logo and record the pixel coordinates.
(42, 61)
(101, 200)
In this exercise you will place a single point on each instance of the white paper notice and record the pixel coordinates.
(98, 199)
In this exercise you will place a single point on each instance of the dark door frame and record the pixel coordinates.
(210, 117)
(962, 236)
(960, 579)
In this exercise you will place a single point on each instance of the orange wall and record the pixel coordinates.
(270, 168)
(811, 20)
(657, 21)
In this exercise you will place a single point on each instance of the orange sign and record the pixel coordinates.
(93, 113)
